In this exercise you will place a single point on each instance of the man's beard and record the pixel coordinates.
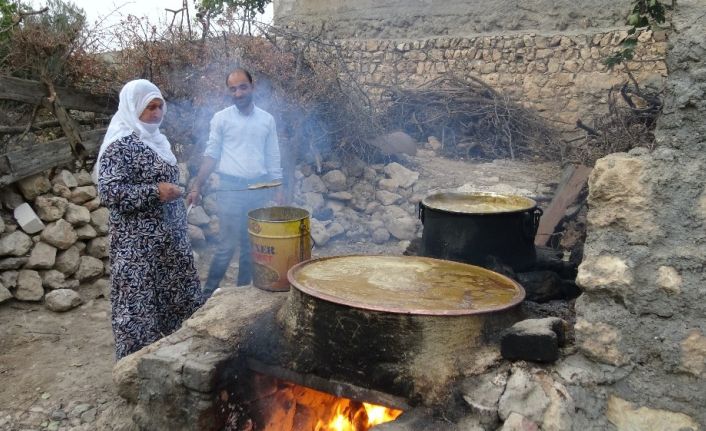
(242, 102)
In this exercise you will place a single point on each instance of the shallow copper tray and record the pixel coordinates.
(406, 284)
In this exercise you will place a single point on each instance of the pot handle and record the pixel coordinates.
(420, 212)
(531, 224)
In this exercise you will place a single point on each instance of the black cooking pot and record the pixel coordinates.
(477, 227)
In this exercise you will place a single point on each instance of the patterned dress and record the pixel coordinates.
(154, 284)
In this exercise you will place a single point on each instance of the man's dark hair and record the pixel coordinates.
(239, 69)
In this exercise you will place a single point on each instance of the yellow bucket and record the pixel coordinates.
(279, 239)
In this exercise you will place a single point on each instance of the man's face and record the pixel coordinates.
(240, 90)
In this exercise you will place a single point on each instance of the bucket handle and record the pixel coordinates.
(303, 231)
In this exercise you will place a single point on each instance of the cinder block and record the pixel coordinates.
(28, 219)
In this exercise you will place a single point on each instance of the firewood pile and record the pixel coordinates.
(629, 123)
(470, 118)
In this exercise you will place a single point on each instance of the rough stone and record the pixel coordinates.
(61, 191)
(198, 217)
(605, 272)
(403, 176)
(387, 198)
(53, 279)
(83, 178)
(210, 205)
(29, 286)
(626, 417)
(100, 219)
(12, 262)
(482, 394)
(199, 376)
(9, 279)
(50, 208)
(83, 194)
(388, 184)
(99, 247)
(340, 196)
(380, 235)
(335, 180)
(395, 143)
(60, 234)
(183, 174)
(77, 215)
(65, 178)
(198, 238)
(669, 280)
(68, 261)
(618, 196)
(693, 354)
(10, 198)
(62, 300)
(319, 233)
(5, 294)
(600, 342)
(313, 183)
(335, 229)
(16, 243)
(535, 395)
(312, 201)
(86, 232)
(93, 204)
(43, 256)
(335, 207)
(89, 268)
(33, 186)
(517, 422)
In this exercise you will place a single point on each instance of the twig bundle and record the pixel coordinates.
(629, 123)
(470, 118)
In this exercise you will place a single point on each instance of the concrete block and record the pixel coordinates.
(28, 220)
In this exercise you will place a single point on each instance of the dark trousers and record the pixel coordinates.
(233, 232)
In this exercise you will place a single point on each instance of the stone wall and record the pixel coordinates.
(559, 74)
(423, 18)
(55, 246)
(642, 319)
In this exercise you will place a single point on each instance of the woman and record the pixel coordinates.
(154, 284)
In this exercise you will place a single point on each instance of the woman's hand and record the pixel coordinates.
(193, 197)
(168, 192)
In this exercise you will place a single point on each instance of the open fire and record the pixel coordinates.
(279, 405)
(349, 415)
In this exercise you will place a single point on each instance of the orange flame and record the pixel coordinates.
(351, 416)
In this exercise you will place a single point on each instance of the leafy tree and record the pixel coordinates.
(645, 13)
(246, 9)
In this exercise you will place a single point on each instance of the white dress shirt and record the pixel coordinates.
(244, 146)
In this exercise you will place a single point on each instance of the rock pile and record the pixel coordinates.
(55, 247)
(347, 200)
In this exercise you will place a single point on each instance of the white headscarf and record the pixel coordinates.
(134, 98)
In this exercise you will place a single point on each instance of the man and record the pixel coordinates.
(243, 149)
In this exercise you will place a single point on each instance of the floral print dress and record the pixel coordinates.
(154, 284)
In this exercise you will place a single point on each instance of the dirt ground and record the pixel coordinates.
(55, 368)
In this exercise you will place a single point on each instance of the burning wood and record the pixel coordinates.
(285, 406)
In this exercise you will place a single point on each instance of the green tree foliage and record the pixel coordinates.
(216, 7)
(644, 14)
(242, 10)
